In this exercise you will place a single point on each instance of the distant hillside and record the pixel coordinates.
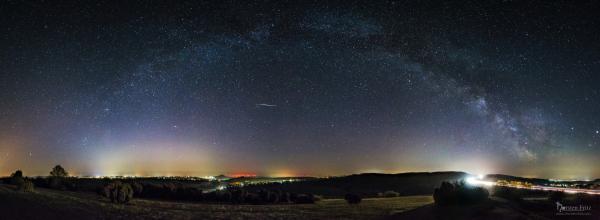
(368, 184)
(495, 177)
(536, 181)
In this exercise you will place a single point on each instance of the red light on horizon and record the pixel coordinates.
(237, 175)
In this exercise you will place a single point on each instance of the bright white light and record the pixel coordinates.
(470, 180)
(480, 176)
(475, 182)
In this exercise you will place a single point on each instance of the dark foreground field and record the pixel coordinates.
(497, 208)
(52, 204)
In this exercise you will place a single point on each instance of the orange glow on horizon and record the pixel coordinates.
(242, 174)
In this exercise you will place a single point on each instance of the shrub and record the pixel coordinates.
(352, 198)
(459, 193)
(304, 199)
(26, 186)
(118, 192)
(445, 194)
(124, 193)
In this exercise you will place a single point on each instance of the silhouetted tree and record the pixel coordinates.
(56, 179)
(445, 194)
(58, 171)
(17, 173)
(16, 178)
(118, 192)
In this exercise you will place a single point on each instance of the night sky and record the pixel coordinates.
(300, 88)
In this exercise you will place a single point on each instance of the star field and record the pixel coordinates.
(300, 88)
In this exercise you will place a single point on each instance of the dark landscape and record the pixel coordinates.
(438, 195)
(299, 109)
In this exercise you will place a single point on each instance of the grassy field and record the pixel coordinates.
(62, 204)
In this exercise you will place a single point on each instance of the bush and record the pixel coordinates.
(124, 193)
(58, 171)
(303, 198)
(17, 173)
(352, 198)
(118, 192)
(459, 193)
(26, 186)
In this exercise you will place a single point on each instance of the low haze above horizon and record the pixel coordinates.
(300, 88)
